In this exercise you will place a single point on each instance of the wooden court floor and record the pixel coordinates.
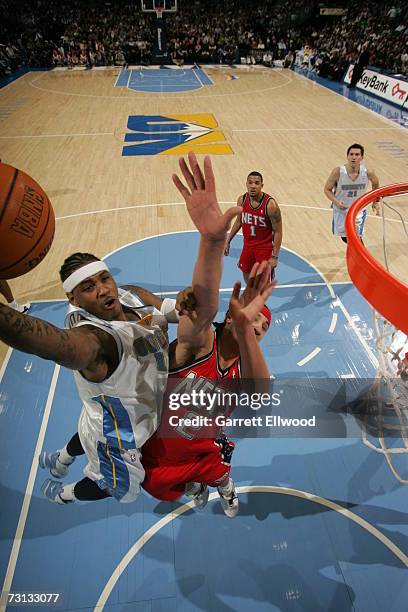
(66, 129)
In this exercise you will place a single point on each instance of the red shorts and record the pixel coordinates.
(166, 479)
(251, 255)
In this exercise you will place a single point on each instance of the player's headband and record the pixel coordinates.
(82, 273)
(266, 313)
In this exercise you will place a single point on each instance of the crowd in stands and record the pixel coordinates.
(379, 28)
(44, 33)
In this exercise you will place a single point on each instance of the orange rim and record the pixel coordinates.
(384, 291)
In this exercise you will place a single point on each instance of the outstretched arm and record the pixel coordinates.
(243, 313)
(78, 349)
(194, 333)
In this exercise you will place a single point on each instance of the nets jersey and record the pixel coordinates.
(124, 410)
(347, 191)
(178, 443)
(256, 225)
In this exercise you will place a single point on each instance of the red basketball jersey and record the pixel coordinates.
(256, 225)
(175, 443)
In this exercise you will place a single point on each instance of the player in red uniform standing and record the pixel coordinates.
(181, 459)
(261, 224)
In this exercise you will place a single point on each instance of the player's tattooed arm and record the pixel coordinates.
(275, 214)
(275, 217)
(77, 349)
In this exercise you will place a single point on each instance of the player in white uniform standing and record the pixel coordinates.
(119, 351)
(347, 183)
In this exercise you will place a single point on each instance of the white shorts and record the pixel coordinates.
(339, 221)
(120, 472)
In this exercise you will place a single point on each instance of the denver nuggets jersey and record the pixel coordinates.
(256, 225)
(347, 191)
(124, 410)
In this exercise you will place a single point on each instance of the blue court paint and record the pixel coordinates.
(19, 73)
(123, 78)
(202, 76)
(174, 80)
(281, 552)
(23, 395)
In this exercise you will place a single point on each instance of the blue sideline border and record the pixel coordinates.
(390, 111)
(19, 73)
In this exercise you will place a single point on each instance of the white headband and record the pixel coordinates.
(82, 273)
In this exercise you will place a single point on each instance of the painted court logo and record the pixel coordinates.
(174, 135)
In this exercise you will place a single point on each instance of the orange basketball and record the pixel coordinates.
(27, 222)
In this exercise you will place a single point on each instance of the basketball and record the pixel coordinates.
(27, 222)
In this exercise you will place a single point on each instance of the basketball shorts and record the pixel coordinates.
(120, 472)
(166, 479)
(252, 255)
(339, 222)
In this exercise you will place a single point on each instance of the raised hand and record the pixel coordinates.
(244, 316)
(201, 199)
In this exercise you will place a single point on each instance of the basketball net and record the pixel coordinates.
(389, 393)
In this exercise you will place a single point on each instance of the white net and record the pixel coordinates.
(389, 394)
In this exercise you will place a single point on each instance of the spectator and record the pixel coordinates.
(39, 33)
(267, 59)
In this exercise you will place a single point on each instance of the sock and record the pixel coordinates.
(64, 457)
(13, 304)
(227, 489)
(67, 493)
(192, 488)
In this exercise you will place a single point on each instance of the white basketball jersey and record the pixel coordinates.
(124, 410)
(347, 191)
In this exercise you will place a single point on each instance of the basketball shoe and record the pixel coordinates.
(229, 500)
(200, 497)
(50, 461)
(52, 489)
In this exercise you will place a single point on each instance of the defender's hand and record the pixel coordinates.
(244, 316)
(201, 199)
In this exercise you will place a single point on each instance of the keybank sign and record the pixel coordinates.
(373, 83)
(386, 87)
